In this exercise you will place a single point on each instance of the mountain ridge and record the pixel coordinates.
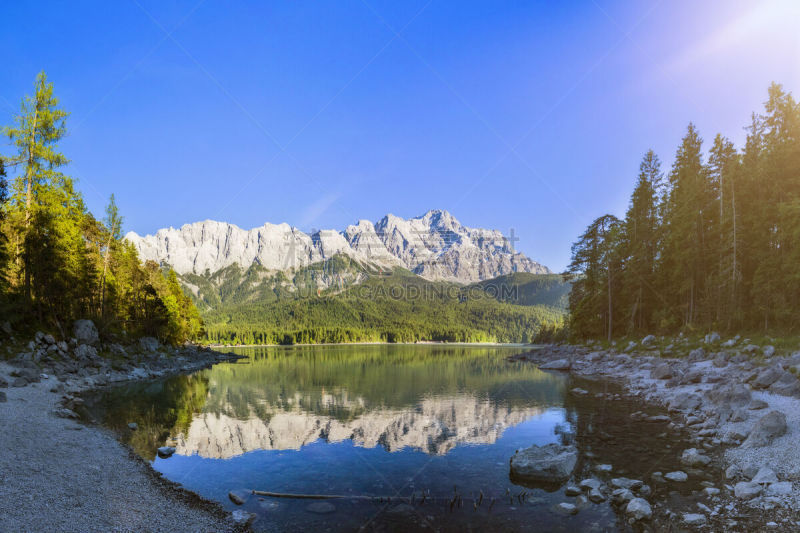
(435, 246)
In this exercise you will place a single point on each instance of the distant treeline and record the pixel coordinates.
(396, 308)
(57, 261)
(713, 244)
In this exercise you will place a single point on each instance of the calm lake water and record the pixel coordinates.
(387, 421)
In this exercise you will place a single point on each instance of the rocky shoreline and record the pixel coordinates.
(741, 404)
(59, 474)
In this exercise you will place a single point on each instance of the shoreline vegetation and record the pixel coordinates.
(376, 343)
(58, 262)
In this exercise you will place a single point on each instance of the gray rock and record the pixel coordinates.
(639, 509)
(603, 469)
(732, 471)
(768, 351)
(698, 354)
(85, 332)
(590, 483)
(573, 490)
(239, 497)
(558, 364)
(649, 340)
(625, 483)
(746, 490)
(733, 394)
(711, 491)
(712, 338)
(767, 377)
(750, 348)
(133, 426)
(148, 344)
(769, 427)
(85, 352)
(321, 508)
(549, 464)
(780, 488)
(661, 371)
(166, 451)
(3, 397)
(694, 519)
(20, 382)
(685, 402)
(677, 476)
(757, 404)
(720, 360)
(3, 382)
(566, 508)
(765, 476)
(596, 496)
(787, 385)
(693, 458)
(243, 518)
(621, 496)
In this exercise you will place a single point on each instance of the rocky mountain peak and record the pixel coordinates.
(435, 245)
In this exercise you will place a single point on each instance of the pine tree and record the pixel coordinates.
(641, 244)
(113, 225)
(687, 218)
(39, 126)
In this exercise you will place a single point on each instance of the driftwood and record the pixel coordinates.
(456, 500)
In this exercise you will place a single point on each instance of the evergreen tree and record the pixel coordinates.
(641, 241)
(39, 126)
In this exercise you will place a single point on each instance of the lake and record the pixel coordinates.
(383, 425)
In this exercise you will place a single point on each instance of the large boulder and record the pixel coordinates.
(767, 377)
(85, 332)
(148, 344)
(732, 394)
(769, 427)
(787, 385)
(558, 364)
(549, 465)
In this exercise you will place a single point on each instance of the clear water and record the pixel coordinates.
(390, 422)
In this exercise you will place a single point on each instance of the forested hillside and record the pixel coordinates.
(398, 307)
(523, 288)
(714, 243)
(58, 262)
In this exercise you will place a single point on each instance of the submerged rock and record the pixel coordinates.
(692, 457)
(321, 508)
(566, 508)
(166, 451)
(677, 476)
(550, 464)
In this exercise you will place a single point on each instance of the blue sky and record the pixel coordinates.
(531, 116)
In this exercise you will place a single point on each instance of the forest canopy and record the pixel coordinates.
(712, 243)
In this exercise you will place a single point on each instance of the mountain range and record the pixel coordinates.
(435, 246)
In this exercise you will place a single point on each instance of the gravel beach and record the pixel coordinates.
(58, 475)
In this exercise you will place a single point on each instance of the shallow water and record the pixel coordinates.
(388, 421)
